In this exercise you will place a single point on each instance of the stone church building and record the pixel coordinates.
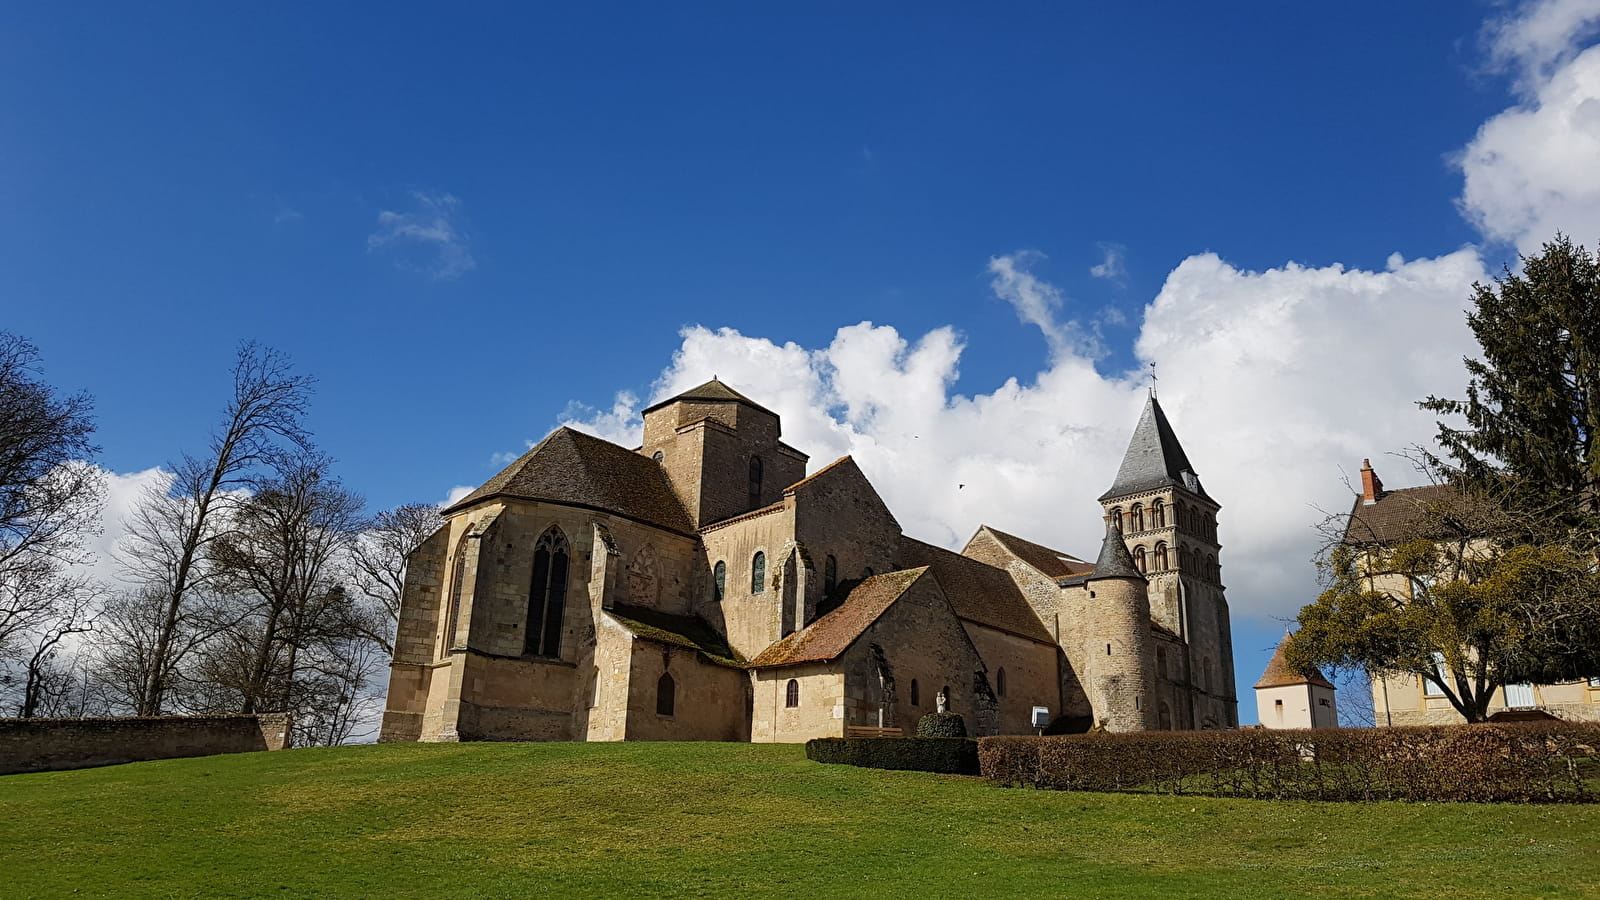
(703, 587)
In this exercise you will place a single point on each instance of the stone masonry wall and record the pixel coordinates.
(40, 745)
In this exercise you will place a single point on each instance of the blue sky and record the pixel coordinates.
(474, 222)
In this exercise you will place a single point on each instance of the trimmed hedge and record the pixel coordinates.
(950, 756)
(1532, 762)
(942, 725)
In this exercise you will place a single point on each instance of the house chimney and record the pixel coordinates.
(1371, 485)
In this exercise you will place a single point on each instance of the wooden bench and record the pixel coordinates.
(871, 731)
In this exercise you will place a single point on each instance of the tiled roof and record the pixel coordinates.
(678, 631)
(1154, 459)
(833, 634)
(977, 591)
(1115, 561)
(1396, 514)
(1053, 563)
(711, 390)
(579, 469)
(1278, 673)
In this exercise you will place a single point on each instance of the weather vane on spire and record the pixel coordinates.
(1152, 379)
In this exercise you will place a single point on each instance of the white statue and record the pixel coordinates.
(944, 703)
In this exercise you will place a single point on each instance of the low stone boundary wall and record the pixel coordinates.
(39, 745)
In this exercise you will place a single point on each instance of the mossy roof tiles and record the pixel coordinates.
(679, 631)
(831, 635)
(977, 591)
(1053, 563)
(574, 468)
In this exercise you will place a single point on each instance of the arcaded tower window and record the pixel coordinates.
(1138, 517)
(1138, 558)
(547, 595)
(719, 581)
(1161, 556)
(758, 573)
(1158, 514)
(755, 481)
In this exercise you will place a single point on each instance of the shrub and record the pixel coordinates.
(1533, 762)
(945, 724)
(950, 756)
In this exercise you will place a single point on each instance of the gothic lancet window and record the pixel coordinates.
(755, 481)
(547, 595)
(1000, 682)
(666, 695)
(719, 581)
(458, 577)
(758, 573)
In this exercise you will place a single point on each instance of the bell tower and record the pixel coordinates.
(1170, 524)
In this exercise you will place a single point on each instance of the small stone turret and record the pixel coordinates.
(1120, 677)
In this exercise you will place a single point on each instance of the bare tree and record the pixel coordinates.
(44, 681)
(378, 566)
(284, 549)
(170, 536)
(49, 495)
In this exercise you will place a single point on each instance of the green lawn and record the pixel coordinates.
(730, 820)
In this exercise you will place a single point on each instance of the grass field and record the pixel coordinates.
(730, 820)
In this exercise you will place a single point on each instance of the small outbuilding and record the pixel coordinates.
(1287, 699)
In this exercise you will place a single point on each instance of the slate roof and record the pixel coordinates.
(1115, 561)
(1393, 517)
(1278, 673)
(678, 631)
(831, 635)
(577, 469)
(1052, 563)
(711, 390)
(1154, 459)
(977, 591)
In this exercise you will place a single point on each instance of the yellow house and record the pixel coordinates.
(1384, 517)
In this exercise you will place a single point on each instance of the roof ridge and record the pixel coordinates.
(1154, 458)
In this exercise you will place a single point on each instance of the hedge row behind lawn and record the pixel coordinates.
(1532, 762)
(950, 756)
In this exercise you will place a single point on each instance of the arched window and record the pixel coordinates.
(1138, 517)
(1213, 571)
(1000, 682)
(458, 576)
(830, 575)
(758, 573)
(659, 457)
(1158, 514)
(916, 695)
(1183, 516)
(547, 595)
(791, 695)
(1161, 662)
(755, 481)
(666, 695)
(719, 581)
(1116, 517)
(1138, 558)
(1211, 528)
(1161, 556)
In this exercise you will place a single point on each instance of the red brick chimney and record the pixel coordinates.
(1371, 484)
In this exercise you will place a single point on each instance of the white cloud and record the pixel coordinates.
(1037, 302)
(455, 494)
(427, 239)
(1276, 381)
(1530, 170)
(1111, 266)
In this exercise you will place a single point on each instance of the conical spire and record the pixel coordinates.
(1115, 561)
(1154, 459)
